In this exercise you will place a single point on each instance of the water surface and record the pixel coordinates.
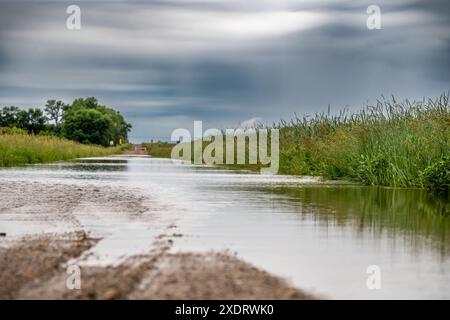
(321, 237)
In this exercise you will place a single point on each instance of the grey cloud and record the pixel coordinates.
(165, 63)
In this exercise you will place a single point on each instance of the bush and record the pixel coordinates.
(436, 177)
(88, 126)
(12, 130)
(87, 121)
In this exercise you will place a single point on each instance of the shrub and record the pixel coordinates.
(12, 130)
(88, 126)
(436, 177)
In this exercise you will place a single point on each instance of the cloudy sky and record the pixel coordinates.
(164, 64)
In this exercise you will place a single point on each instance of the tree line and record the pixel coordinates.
(85, 121)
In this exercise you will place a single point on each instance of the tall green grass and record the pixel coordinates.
(19, 149)
(391, 143)
(159, 149)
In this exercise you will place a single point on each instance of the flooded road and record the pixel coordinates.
(320, 237)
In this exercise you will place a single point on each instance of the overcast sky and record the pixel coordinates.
(164, 64)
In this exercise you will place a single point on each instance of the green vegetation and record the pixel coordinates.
(85, 121)
(32, 120)
(55, 112)
(18, 148)
(30, 136)
(89, 122)
(159, 149)
(399, 144)
(436, 177)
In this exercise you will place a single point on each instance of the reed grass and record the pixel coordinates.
(391, 143)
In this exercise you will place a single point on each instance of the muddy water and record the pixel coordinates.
(321, 237)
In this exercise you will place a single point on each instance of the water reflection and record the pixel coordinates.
(408, 212)
(319, 236)
(94, 165)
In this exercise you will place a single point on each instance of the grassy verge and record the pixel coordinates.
(397, 144)
(159, 149)
(20, 149)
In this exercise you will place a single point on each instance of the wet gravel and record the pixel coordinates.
(34, 265)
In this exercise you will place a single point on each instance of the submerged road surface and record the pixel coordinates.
(323, 238)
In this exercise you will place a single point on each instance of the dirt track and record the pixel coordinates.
(137, 149)
(34, 267)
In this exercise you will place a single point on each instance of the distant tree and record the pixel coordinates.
(90, 103)
(88, 126)
(8, 116)
(119, 127)
(55, 111)
(32, 120)
(85, 120)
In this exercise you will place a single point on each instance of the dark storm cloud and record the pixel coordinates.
(438, 7)
(166, 63)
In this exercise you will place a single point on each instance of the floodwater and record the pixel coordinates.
(322, 237)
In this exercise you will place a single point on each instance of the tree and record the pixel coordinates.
(32, 120)
(119, 127)
(88, 126)
(55, 110)
(85, 120)
(8, 116)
